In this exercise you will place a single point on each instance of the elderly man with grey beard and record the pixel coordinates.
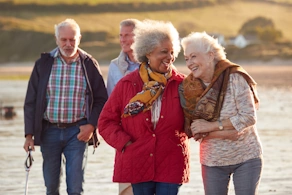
(64, 98)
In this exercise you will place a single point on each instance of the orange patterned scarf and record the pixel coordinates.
(200, 102)
(154, 84)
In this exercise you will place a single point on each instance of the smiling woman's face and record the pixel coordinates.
(199, 63)
(161, 58)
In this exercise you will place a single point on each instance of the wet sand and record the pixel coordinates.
(274, 127)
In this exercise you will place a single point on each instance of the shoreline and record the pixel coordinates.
(266, 75)
(275, 61)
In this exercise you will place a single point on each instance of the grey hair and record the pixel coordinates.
(67, 22)
(129, 22)
(149, 34)
(204, 43)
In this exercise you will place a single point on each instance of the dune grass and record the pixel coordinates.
(90, 2)
(222, 18)
(33, 28)
(96, 2)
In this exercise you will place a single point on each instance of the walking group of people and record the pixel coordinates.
(147, 111)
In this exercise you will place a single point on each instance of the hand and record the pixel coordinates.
(200, 126)
(200, 136)
(86, 132)
(233, 135)
(127, 144)
(28, 143)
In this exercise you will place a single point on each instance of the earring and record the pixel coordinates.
(148, 62)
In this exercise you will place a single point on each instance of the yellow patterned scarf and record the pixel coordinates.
(200, 102)
(154, 84)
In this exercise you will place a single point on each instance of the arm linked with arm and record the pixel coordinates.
(238, 111)
(210, 130)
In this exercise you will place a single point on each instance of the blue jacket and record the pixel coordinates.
(35, 100)
(118, 68)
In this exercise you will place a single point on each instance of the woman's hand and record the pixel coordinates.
(200, 126)
(232, 135)
(127, 144)
(209, 130)
(200, 136)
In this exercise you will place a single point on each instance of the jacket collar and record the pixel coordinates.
(83, 54)
(122, 63)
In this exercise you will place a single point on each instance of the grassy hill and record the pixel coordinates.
(27, 26)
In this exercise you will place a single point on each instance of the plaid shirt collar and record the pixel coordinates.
(57, 54)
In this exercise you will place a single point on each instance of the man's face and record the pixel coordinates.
(126, 38)
(68, 41)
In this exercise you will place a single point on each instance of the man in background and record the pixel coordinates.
(64, 98)
(119, 67)
(125, 62)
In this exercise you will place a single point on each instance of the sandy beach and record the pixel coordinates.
(274, 127)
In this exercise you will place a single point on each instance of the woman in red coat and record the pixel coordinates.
(143, 119)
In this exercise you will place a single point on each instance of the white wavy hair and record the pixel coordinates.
(204, 43)
(68, 22)
(149, 34)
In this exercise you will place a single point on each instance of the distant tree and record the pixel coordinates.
(186, 28)
(269, 34)
(259, 21)
(262, 27)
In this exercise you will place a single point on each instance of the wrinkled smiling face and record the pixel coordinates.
(161, 58)
(68, 41)
(199, 63)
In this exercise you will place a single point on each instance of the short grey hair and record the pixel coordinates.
(204, 43)
(68, 22)
(129, 22)
(149, 34)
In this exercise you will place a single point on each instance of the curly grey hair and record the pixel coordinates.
(67, 22)
(204, 43)
(149, 34)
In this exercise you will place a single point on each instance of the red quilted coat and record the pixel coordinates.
(160, 155)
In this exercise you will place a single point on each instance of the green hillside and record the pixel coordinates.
(27, 26)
